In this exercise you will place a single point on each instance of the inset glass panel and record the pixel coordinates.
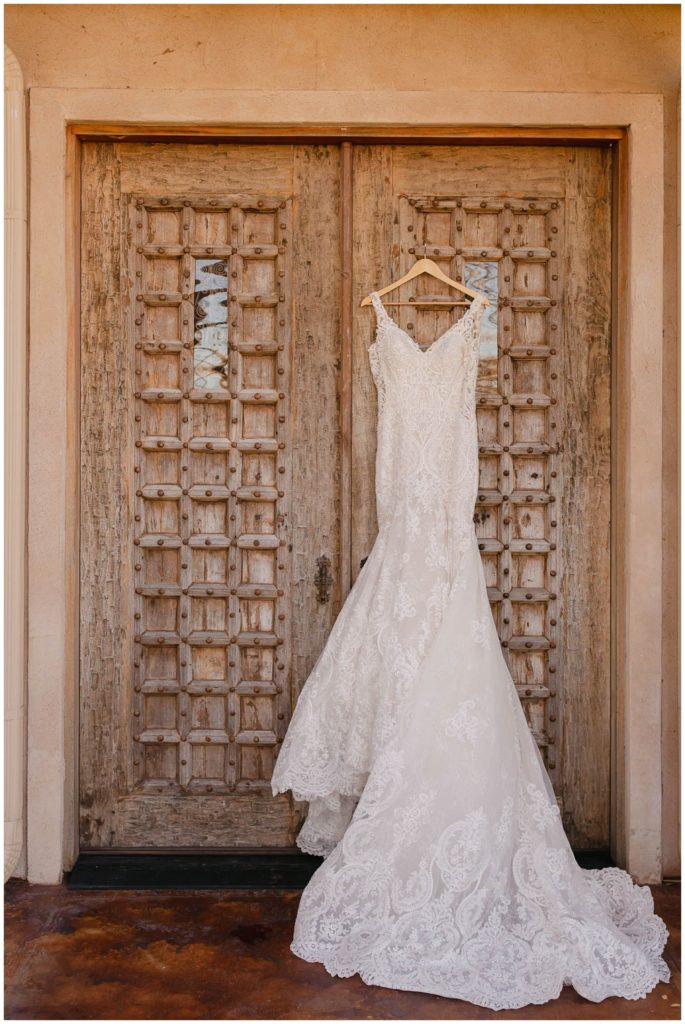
(484, 277)
(210, 347)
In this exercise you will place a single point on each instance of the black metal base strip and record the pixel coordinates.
(590, 859)
(138, 870)
(282, 869)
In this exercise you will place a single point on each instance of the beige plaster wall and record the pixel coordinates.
(533, 47)
(530, 48)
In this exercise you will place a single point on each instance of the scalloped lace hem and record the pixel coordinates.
(315, 847)
(480, 998)
(328, 815)
(635, 974)
(369, 979)
(483, 999)
(341, 789)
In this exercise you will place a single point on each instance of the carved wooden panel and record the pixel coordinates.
(212, 487)
(188, 669)
(524, 226)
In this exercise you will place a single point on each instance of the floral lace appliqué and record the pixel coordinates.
(464, 725)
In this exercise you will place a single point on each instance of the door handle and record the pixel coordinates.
(323, 580)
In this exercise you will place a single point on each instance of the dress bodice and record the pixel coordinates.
(426, 456)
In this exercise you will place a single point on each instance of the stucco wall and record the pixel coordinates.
(340, 48)
(617, 48)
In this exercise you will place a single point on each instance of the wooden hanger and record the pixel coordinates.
(426, 266)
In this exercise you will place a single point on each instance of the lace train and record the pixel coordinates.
(455, 875)
(502, 968)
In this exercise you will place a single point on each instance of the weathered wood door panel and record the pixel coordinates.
(531, 227)
(210, 340)
(211, 454)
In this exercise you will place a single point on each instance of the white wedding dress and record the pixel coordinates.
(447, 869)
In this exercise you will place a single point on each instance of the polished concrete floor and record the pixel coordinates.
(223, 956)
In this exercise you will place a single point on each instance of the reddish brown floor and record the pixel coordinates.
(217, 955)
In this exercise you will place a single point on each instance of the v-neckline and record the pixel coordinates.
(434, 344)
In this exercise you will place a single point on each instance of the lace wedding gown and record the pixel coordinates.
(447, 869)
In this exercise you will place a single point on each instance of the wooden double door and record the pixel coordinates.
(228, 445)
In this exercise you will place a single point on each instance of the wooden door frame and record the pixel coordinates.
(61, 118)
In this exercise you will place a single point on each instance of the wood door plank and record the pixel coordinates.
(172, 822)
(150, 167)
(315, 403)
(585, 498)
(513, 171)
(375, 264)
(105, 404)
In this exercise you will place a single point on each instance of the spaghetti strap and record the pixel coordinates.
(378, 306)
(475, 310)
